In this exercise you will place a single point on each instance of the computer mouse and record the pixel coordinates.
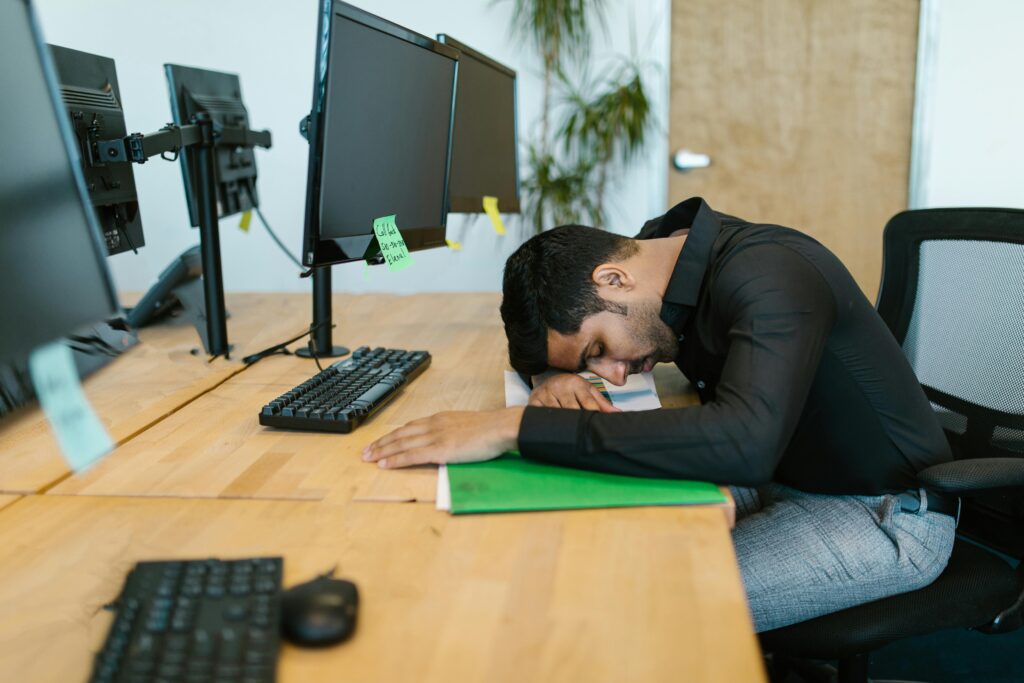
(319, 612)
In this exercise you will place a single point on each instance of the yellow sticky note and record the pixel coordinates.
(244, 223)
(491, 209)
(453, 245)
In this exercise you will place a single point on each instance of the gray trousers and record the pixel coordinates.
(803, 555)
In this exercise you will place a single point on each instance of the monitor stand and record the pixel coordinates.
(91, 348)
(98, 345)
(321, 344)
(181, 282)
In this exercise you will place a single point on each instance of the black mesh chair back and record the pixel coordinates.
(953, 296)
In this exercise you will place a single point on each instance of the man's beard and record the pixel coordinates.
(652, 333)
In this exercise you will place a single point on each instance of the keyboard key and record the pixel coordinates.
(188, 630)
(340, 397)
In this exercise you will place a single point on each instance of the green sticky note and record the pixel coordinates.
(243, 224)
(392, 245)
(81, 436)
(512, 484)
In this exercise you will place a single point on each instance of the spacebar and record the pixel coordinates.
(373, 396)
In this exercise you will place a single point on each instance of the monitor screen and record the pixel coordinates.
(220, 96)
(484, 154)
(380, 135)
(88, 86)
(53, 270)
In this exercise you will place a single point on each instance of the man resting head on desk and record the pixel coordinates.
(809, 409)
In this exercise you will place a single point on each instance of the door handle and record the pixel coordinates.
(684, 160)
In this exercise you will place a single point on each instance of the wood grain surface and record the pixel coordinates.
(595, 595)
(167, 371)
(215, 447)
(805, 108)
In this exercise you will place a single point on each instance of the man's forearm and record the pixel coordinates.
(709, 442)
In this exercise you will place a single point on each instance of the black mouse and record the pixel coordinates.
(319, 612)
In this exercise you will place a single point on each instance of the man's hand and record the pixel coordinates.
(448, 437)
(570, 391)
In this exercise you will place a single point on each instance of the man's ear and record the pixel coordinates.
(613, 276)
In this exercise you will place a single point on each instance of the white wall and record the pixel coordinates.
(969, 124)
(270, 44)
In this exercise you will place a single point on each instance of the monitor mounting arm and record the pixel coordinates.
(204, 135)
(138, 148)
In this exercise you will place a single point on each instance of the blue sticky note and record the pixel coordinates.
(81, 436)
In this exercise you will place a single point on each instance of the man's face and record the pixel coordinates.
(613, 345)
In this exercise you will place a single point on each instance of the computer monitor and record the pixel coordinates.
(484, 151)
(219, 95)
(88, 86)
(379, 134)
(53, 270)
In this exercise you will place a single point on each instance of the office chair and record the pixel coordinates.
(953, 295)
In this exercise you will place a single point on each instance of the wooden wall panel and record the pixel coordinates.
(805, 107)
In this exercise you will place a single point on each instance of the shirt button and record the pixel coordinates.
(700, 384)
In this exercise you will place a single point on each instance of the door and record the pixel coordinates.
(804, 110)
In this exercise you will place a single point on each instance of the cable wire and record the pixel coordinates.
(277, 240)
(273, 235)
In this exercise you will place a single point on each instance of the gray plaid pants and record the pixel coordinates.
(802, 555)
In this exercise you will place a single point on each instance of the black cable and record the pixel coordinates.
(282, 347)
(127, 238)
(270, 231)
(276, 239)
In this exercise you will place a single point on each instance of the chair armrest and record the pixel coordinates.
(976, 474)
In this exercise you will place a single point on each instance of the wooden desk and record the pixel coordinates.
(214, 447)
(6, 499)
(147, 383)
(595, 595)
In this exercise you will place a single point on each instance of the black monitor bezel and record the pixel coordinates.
(78, 180)
(324, 252)
(474, 204)
(174, 74)
(132, 232)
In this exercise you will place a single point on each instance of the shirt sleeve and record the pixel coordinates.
(776, 311)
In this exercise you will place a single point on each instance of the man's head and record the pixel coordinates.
(575, 298)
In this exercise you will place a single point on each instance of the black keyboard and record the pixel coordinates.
(195, 620)
(343, 395)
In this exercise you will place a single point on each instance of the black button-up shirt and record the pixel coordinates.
(800, 381)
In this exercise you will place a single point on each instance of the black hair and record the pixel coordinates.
(548, 285)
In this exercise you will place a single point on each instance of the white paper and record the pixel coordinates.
(638, 393)
(516, 391)
(444, 491)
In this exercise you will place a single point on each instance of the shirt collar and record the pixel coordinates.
(688, 275)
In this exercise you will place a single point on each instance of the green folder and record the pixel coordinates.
(512, 484)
